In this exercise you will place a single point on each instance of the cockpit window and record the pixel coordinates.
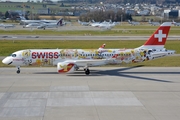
(13, 55)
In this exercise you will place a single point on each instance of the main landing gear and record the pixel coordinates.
(87, 71)
(18, 69)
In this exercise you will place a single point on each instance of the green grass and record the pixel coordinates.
(84, 32)
(8, 46)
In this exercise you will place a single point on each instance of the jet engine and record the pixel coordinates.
(65, 67)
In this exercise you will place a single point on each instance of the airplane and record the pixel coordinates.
(154, 23)
(133, 23)
(107, 25)
(70, 60)
(104, 25)
(46, 25)
(7, 25)
(175, 23)
(31, 25)
(95, 24)
(83, 23)
(26, 22)
(60, 22)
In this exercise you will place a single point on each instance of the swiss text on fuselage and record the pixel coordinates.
(45, 55)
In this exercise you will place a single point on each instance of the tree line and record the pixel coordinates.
(130, 1)
(101, 15)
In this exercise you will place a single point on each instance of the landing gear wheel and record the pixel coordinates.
(18, 71)
(87, 72)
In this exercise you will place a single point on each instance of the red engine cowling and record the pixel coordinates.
(63, 67)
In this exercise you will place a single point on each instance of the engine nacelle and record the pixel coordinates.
(63, 67)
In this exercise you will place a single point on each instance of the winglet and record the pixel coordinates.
(158, 38)
(102, 46)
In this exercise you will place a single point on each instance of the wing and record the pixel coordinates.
(70, 66)
(88, 62)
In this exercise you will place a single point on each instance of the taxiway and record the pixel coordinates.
(85, 37)
(108, 93)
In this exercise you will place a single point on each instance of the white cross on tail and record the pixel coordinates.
(160, 36)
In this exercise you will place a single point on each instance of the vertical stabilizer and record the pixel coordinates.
(60, 22)
(158, 38)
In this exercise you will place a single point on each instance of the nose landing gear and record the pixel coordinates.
(18, 70)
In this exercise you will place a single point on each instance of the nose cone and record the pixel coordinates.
(7, 61)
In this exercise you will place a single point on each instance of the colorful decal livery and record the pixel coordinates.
(65, 67)
(69, 60)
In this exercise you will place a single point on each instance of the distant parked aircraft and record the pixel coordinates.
(44, 25)
(51, 25)
(154, 23)
(32, 25)
(84, 23)
(26, 22)
(133, 23)
(107, 25)
(7, 25)
(175, 23)
(104, 25)
(95, 24)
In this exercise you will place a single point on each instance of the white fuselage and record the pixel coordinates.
(85, 57)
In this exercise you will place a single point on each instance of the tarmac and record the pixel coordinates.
(108, 93)
(85, 37)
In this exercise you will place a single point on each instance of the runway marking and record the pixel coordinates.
(69, 88)
(23, 104)
(92, 99)
(22, 112)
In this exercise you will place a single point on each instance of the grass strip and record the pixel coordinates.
(124, 32)
(7, 46)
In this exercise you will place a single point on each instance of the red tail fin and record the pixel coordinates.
(158, 38)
